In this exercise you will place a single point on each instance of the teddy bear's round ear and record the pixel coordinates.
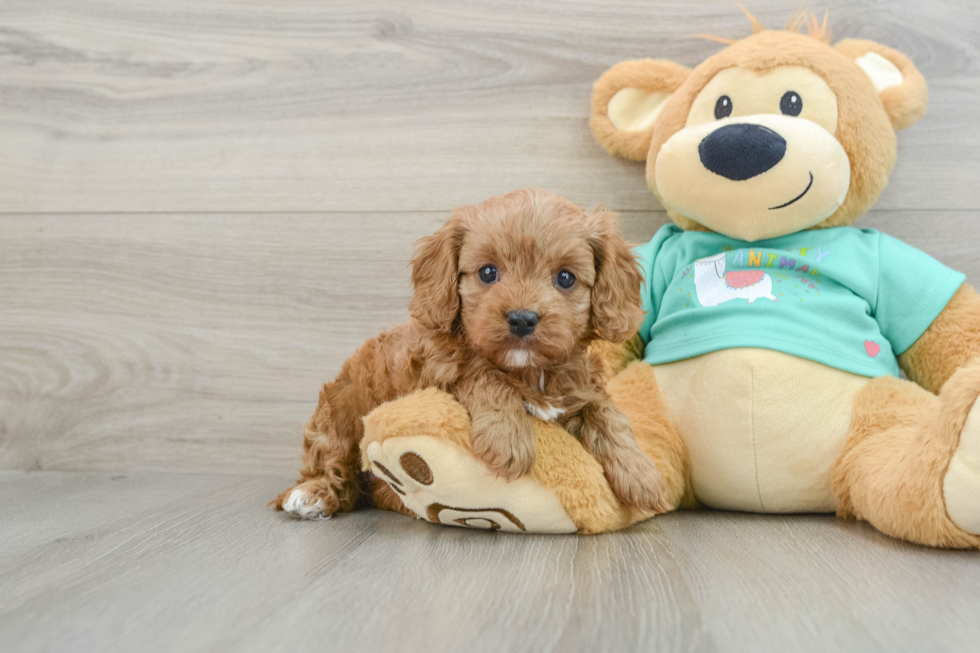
(626, 101)
(901, 87)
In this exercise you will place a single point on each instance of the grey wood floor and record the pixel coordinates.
(206, 206)
(153, 562)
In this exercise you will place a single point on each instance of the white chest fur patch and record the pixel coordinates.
(549, 414)
(517, 358)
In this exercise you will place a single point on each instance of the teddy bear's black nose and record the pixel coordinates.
(741, 151)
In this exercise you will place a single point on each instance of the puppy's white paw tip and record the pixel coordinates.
(298, 504)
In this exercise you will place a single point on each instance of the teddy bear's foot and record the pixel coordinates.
(909, 464)
(961, 487)
(443, 484)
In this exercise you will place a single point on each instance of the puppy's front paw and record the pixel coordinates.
(632, 475)
(505, 443)
(635, 481)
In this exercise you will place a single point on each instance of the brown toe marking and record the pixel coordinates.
(384, 470)
(415, 467)
(470, 522)
(434, 509)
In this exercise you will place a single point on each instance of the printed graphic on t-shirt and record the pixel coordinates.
(715, 285)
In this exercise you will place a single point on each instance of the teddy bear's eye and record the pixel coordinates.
(488, 273)
(791, 103)
(723, 107)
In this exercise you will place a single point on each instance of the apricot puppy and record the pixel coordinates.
(508, 295)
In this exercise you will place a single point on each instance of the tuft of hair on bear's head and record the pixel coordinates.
(802, 18)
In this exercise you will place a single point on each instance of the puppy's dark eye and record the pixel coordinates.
(723, 107)
(488, 273)
(791, 103)
(565, 279)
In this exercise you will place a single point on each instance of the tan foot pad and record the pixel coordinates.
(444, 485)
(961, 489)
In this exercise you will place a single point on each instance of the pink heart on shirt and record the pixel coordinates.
(872, 348)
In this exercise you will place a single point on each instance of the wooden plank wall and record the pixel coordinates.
(205, 207)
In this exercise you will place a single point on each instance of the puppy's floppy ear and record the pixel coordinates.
(901, 87)
(626, 101)
(616, 310)
(435, 276)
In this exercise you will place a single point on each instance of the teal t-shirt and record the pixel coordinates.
(849, 298)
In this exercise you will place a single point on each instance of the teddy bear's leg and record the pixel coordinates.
(911, 462)
(635, 392)
(420, 446)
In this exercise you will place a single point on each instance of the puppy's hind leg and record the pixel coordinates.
(328, 480)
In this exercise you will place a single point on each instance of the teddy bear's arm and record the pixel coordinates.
(612, 358)
(632, 350)
(950, 342)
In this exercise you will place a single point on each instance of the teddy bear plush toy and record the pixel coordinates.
(766, 376)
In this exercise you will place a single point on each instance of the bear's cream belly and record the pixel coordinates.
(763, 428)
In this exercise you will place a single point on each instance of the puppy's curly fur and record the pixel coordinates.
(516, 252)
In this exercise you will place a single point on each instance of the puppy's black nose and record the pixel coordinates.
(741, 151)
(522, 322)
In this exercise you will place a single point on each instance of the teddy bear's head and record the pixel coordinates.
(776, 133)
